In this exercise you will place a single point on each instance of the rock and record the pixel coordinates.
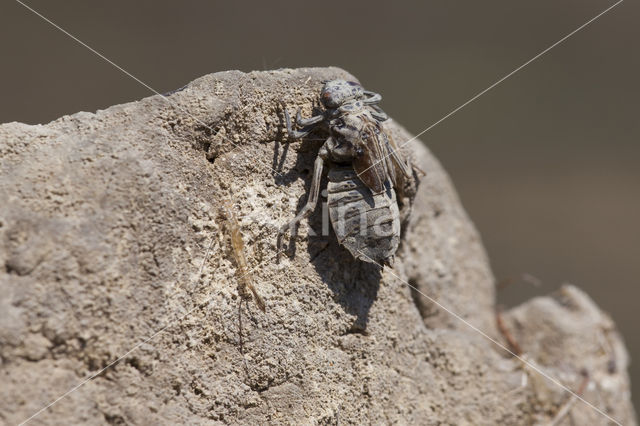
(115, 264)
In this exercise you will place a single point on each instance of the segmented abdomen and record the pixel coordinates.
(367, 225)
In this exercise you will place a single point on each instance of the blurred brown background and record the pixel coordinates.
(546, 163)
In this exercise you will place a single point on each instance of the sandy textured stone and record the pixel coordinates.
(105, 221)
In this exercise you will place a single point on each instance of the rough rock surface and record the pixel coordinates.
(106, 221)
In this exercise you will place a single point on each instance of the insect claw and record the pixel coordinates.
(373, 98)
(419, 171)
